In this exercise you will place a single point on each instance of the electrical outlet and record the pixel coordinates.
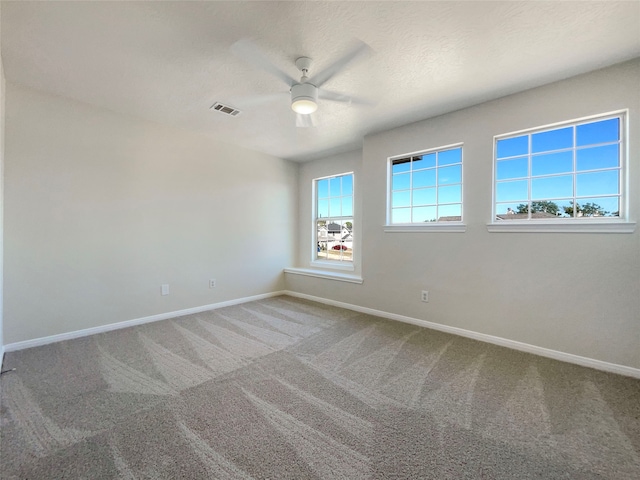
(212, 283)
(164, 290)
(425, 296)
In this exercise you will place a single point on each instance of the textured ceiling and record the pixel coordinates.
(170, 61)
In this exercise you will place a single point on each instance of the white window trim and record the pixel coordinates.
(444, 227)
(620, 224)
(333, 264)
(309, 272)
(431, 227)
(322, 263)
(559, 226)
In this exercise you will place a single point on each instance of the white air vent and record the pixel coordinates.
(226, 109)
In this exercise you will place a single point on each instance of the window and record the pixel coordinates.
(334, 219)
(426, 187)
(571, 172)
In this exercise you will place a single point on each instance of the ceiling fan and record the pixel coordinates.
(305, 92)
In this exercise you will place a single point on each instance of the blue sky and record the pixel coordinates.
(551, 159)
(430, 179)
(335, 197)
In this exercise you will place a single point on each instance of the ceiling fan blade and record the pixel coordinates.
(305, 121)
(246, 50)
(357, 52)
(334, 96)
(342, 98)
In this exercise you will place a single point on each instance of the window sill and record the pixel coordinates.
(449, 227)
(309, 272)
(513, 226)
(333, 265)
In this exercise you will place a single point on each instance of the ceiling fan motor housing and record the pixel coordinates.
(304, 98)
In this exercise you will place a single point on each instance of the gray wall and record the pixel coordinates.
(101, 209)
(577, 293)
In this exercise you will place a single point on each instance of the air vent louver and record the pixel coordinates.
(226, 109)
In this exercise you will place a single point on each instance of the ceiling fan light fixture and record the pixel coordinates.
(304, 98)
(304, 106)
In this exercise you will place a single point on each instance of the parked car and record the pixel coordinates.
(339, 247)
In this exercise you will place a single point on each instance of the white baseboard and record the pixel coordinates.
(503, 342)
(36, 342)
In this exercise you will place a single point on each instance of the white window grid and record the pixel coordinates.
(437, 204)
(339, 256)
(574, 172)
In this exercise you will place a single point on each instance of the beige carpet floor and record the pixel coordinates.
(285, 388)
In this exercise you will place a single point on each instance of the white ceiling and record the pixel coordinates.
(170, 61)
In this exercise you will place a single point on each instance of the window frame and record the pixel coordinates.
(344, 265)
(437, 226)
(617, 224)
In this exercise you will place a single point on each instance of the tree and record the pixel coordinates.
(589, 209)
(545, 206)
(540, 206)
(593, 210)
(349, 225)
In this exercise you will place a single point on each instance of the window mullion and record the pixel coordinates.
(570, 158)
(411, 190)
(575, 172)
(334, 221)
(437, 183)
(529, 179)
(426, 200)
